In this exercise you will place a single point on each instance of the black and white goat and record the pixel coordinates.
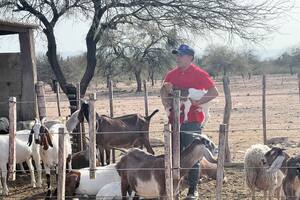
(277, 159)
(25, 151)
(149, 182)
(48, 141)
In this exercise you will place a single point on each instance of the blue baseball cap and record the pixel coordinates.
(184, 50)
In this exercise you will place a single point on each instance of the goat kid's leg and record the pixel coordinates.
(101, 152)
(124, 188)
(38, 166)
(4, 184)
(107, 156)
(22, 168)
(31, 170)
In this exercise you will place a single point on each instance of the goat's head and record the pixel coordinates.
(293, 165)
(274, 158)
(198, 149)
(209, 144)
(84, 111)
(41, 134)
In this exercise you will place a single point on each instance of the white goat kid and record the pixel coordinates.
(195, 94)
(48, 139)
(25, 150)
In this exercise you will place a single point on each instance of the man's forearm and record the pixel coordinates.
(210, 95)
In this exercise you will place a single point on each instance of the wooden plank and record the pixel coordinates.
(28, 107)
(92, 134)
(80, 127)
(12, 138)
(264, 120)
(111, 109)
(58, 98)
(146, 98)
(168, 162)
(40, 92)
(298, 75)
(176, 138)
(61, 165)
(221, 159)
(227, 112)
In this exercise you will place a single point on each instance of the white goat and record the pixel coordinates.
(48, 139)
(257, 175)
(111, 191)
(195, 94)
(23, 153)
(79, 181)
(166, 94)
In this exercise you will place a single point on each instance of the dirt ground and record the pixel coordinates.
(245, 129)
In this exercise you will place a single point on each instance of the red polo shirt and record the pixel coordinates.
(192, 77)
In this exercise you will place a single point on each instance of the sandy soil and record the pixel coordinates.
(245, 129)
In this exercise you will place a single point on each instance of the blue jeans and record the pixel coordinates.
(185, 140)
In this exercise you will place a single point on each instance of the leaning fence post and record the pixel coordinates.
(61, 165)
(168, 162)
(12, 138)
(221, 159)
(111, 109)
(58, 98)
(146, 99)
(40, 92)
(176, 138)
(92, 135)
(264, 121)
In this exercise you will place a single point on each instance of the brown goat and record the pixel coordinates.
(121, 132)
(144, 173)
(277, 159)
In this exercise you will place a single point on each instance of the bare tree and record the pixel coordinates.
(242, 18)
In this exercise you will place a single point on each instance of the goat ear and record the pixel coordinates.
(49, 139)
(44, 142)
(30, 138)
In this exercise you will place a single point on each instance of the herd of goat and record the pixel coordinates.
(138, 173)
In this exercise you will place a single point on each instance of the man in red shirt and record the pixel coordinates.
(184, 76)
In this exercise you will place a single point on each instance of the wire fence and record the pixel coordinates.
(245, 105)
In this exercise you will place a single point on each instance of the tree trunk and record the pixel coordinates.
(68, 89)
(138, 81)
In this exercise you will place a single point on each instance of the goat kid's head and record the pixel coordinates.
(208, 144)
(41, 134)
(274, 158)
(84, 111)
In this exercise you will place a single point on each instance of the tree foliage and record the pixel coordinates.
(247, 19)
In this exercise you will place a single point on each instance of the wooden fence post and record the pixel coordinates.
(176, 139)
(111, 109)
(146, 98)
(264, 121)
(298, 75)
(40, 92)
(80, 126)
(61, 165)
(12, 138)
(227, 112)
(221, 157)
(168, 162)
(58, 98)
(92, 135)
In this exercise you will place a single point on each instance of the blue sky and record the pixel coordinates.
(71, 38)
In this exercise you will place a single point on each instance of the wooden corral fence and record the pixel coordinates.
(171, 138)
